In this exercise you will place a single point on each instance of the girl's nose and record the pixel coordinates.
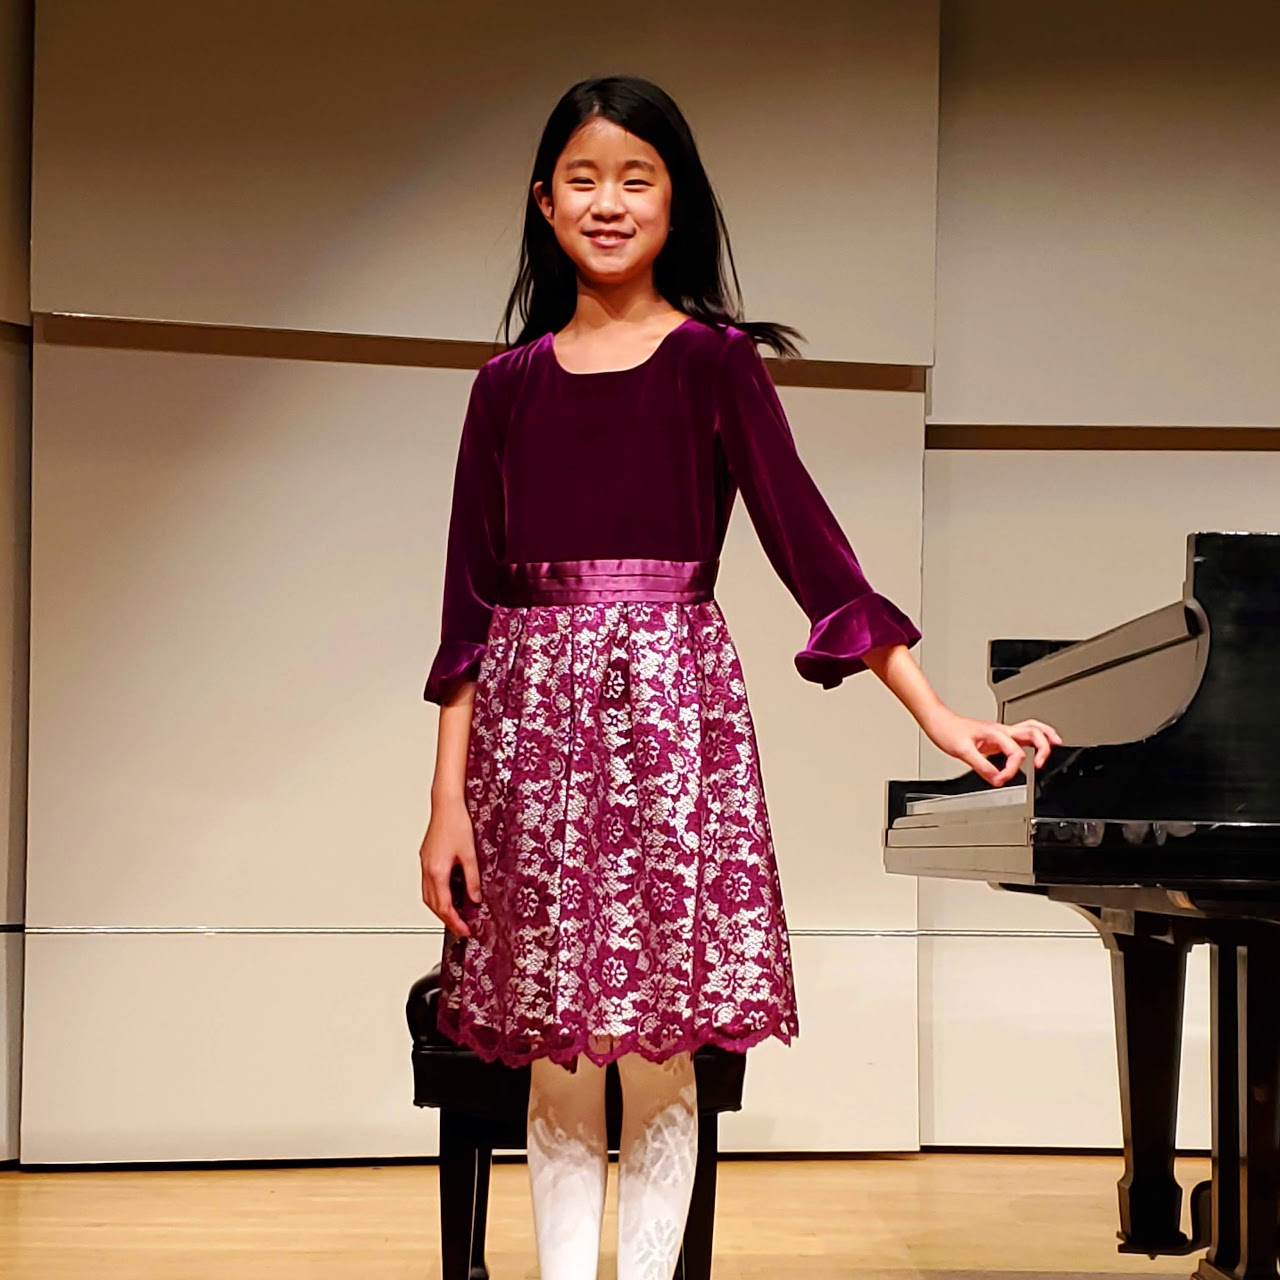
(607, 200)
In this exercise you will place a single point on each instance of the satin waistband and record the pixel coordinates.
(598, 581)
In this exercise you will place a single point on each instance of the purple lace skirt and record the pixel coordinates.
(631, 900)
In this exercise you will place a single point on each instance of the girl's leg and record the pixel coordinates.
(656, 1162)
(568, 1164)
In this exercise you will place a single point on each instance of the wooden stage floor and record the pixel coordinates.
(932, 1217)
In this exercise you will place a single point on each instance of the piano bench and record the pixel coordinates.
(484, 1106)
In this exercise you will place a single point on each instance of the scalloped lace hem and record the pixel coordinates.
(566, 1054)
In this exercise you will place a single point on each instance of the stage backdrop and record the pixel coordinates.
(238, 548)
(265, 257)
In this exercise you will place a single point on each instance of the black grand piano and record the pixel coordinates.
(1160, 822)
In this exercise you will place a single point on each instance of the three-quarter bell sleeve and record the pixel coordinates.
(474, 548)
(801, 537)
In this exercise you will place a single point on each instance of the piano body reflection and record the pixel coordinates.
(1160, 822)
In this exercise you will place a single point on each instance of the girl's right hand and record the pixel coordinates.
(449, 842)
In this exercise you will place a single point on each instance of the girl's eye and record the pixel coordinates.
(631, 182)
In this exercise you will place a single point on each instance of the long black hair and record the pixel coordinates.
(688, 272)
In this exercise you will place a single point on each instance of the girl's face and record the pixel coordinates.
(609, 202)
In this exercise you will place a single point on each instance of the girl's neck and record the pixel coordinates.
(597, 311)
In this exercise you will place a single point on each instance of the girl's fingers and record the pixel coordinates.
(1008, 739)
(979, 763)
(439, 897)
(1030, 734)
(1010, 770)
(447, 911)
(1047, 729)
(1046, 737)
(1014, 754)
(454, 921)
(471, 874)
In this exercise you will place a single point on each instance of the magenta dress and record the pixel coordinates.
(631, 900)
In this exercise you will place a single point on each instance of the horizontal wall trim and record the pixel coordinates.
(939, 435)
(14, 331)
(123, 333)
(195, 930)
(15, 926)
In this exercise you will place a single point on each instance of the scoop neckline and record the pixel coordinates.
(599, 373)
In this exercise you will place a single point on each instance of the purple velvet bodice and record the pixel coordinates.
(644, 463)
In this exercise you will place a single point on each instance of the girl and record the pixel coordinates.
(599, 848)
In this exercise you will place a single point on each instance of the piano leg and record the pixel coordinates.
(1148, 980)
(1259, 1019)
(1224, 1251)
(1247, 1249)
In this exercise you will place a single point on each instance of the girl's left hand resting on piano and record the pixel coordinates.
(972, 740)
(966, 739)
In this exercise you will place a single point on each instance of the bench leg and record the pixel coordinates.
(484, 1162)
(459, 1197)
(695, 1256)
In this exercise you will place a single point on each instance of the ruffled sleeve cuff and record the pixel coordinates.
(455, 660)
(838, 641)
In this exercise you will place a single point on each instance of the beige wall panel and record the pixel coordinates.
(827, 169)
(10, 1041)
(1017, 1045)
(236, 575)
(221, 1047)
(223, 162)
(15, 519)
(848, 1081)
(236, 594)
(244, 1046)
(964, 906)
(826, 753)
(15, 159)
(1108, 248)
(1057, 544)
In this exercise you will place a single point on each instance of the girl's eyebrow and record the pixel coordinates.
(629, 164)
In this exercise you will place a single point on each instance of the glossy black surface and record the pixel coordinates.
(1196, 801)
(1163, 842)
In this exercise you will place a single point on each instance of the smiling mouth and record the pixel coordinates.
(607, 235)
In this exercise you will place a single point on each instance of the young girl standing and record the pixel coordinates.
(599, 847)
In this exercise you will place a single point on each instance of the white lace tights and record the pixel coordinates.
(568, 1161)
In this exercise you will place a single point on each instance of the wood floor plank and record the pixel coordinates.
(929, 1217)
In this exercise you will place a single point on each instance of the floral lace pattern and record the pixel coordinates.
(631, 900)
